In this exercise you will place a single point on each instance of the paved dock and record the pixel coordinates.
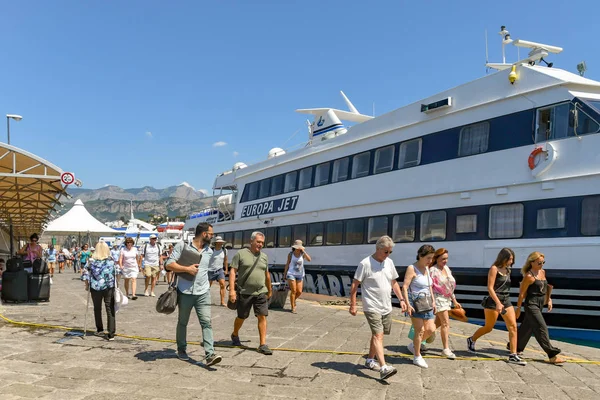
(319, 354)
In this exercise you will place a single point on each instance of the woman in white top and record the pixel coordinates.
(443, 285)
(128, 263)
(294, 271)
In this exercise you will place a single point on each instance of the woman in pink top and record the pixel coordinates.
(32, 250)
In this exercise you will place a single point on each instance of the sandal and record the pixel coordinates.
(556, 360)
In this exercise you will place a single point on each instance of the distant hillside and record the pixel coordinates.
(181, 191)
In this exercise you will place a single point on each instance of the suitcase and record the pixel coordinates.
(40, 266)
(14, 286)
(38, 287)
(14, 264)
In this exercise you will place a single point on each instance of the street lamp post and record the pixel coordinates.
(8, 118)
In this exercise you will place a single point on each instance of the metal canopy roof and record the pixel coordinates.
(30, 187)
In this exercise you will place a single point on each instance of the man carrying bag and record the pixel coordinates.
(190, 264)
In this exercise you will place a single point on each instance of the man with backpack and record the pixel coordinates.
(217, 268)
(151, 259)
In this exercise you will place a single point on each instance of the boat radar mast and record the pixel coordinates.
(537, 54)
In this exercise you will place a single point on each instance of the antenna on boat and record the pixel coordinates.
(349, 104)
(505, 40)
(487, 69)
(581, 68)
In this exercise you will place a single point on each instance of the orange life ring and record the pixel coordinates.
(531, 160)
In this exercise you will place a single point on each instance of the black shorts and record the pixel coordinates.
(490, 304)
(246, 301)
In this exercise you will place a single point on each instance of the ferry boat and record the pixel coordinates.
(511, 159)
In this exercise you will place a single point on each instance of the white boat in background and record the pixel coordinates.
(507, 160)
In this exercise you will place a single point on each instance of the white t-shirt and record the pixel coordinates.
(376, 284)
(130, 258)
(217, 260)
(151, 255)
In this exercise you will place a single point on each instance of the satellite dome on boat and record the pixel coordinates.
(275, 152)
(238, 165)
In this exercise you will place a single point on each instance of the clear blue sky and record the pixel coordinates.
(136, 93)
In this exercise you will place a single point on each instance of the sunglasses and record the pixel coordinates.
(387, 252)
(541, 262)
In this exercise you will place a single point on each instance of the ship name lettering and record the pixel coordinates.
(270, 207)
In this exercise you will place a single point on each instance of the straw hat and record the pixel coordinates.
(219, 239)
(298, 245)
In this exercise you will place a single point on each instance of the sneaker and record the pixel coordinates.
(519, 353)
(152, 294)
(515, 359)
(129, 296)
(133, 297)
(213, 359)
(111, 339)
(387, 371)
(182, 355)
(420, 362)
(431, 338)
(448, 354)
(264, 349)
(235, 341)
(423, 347)
(411, 347)
(471, 345)
(372, 364)
(99, 334)
(146, 294)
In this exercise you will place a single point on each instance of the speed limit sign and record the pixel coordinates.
(67, 178)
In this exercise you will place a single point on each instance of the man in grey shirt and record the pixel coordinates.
(190, 264)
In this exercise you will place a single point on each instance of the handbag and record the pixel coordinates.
(422, 302)
(167, 302)
(232, 305)
(120, 299)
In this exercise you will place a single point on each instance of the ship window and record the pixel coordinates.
(466, 223)
(290, 182)
(264, 189)
(305, 178)
(581, 123)
(299, 233)
(355, 231)
(340, 170)
(551, 218)
(474, 139)
(410, 153)
(433, 226)
(403, 228)
(590, 216)
(552, 123)
(315, 234)
(377, 227)
(237, 240)
(360, 164)
(384, 159)
(252, 191)
(228, 237)
(285, 236)
(506, 221)
(334, 232)
(277, 185)
(246, 239)
(270, 238)
(322, 174)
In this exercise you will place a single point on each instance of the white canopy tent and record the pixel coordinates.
(76, 221)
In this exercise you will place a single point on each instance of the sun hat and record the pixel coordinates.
(298, 245)
(153, 236)
(219, 239)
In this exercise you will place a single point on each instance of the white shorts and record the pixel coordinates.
(442, 303)
(129, 273)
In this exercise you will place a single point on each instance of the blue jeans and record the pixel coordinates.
(201, 303)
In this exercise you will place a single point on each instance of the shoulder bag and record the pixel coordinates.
(422, 302)
(167, 302)
(232, 305)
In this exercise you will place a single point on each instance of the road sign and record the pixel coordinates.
(67, 178)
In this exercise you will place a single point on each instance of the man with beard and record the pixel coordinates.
(190, 264)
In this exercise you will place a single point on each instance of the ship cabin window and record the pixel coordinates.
(270, 238)
(264, 188)
(277, 185)
(403, 228)
(237, 240)
(228, 237)
(322, 174)
(552, 123)
(340, 170)
(299, 233)
(252, 191)
(506, 221)
(376, 228)
(290, 182)
(410, 153)
(355, 231)
(334, 232)
(590, 216)
(360, 164)
(384, 159)
(581, 123)
(474, 139)
(246, 239)
(315, 234)
(305, 178)
(466, 223)
(285, 236)
(551, 218)
(433, 226)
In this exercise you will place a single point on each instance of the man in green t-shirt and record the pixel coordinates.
(255, 289)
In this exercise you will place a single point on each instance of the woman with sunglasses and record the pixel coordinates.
(535, 291)
(31, 251)
(128, 263)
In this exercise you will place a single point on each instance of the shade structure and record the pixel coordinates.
(78, 220)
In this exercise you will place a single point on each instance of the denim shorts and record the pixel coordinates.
(424, 315)
(216, 275)
(293, 277)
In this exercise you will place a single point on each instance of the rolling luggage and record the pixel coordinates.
(40, 266)
(14, 264)
(14, 286)
(38, 287)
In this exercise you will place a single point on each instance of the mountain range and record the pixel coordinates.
(182, 191)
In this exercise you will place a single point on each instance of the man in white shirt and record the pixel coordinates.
(377, 276)
(152, 264)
